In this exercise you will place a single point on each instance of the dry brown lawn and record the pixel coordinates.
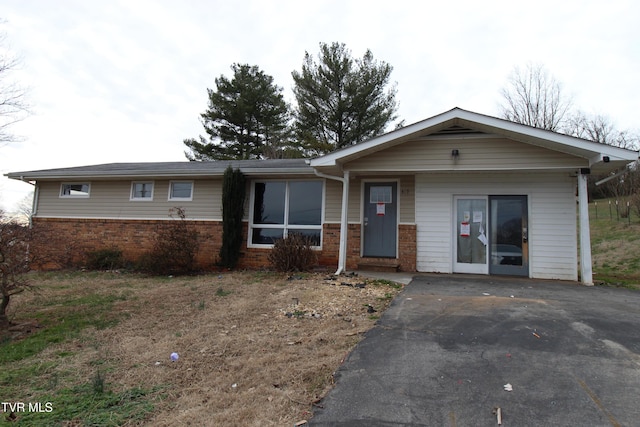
(255, 348)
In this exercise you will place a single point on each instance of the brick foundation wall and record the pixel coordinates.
(68, 240)
(406, 247)
(257, 258)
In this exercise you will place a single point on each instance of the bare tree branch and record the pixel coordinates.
(13, 107)
(533, 97)
(600, 128)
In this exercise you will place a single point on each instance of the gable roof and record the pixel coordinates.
(169, 170)
(463, 123)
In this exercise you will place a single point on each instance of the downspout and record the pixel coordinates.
(342, 252)
(586, 268)
(622, 172)
(34, 202)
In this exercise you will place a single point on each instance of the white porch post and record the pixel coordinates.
(586, 269)
(344, 224)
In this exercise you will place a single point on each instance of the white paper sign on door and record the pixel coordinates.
(482, 236)
(380, 209)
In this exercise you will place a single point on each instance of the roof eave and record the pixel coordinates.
(31, 176)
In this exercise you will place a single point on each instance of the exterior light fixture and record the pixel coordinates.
(455, 153)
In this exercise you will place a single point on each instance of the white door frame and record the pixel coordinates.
(457, 267)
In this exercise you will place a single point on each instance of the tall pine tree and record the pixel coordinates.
(341, 101)
(246, 116)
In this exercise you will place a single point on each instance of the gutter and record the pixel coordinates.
(155, 173)
(622, 172)
(34, 202)
(342, 252)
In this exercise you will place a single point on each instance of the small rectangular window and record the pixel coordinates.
(181, 190)
(380, 194)
(75, 190)
(142, 191)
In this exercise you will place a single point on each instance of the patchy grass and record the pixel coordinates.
(255, 348)
(615, 246)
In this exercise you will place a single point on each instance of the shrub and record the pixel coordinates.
(233, 194)
(293, 253)
(174, 248)
(105, 259)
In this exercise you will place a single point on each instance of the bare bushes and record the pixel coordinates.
(293, 253)
(15, 262)
(174, 248)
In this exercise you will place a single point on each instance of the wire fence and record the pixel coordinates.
(615, 210)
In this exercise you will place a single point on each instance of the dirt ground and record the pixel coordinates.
(255, 348)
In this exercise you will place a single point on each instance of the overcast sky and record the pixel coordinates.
(126, 80)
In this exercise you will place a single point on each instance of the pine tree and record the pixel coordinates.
(341, 101)
(246, 114)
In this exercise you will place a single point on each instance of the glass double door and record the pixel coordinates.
(491, 235)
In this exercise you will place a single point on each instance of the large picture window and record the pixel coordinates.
(280, 208)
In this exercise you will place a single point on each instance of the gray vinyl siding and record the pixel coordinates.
(333, 201)
(474, 154)
(111, 199)
(552, 218)
(407, 199)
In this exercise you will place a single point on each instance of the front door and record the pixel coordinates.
(470, 253)
(380, 223)
(509, 235)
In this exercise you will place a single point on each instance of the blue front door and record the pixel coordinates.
(380, 219)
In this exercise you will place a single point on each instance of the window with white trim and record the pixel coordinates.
(181, 190)
(280, 208)
(76, 189)
(142, 190)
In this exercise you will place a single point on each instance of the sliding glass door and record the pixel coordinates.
(491, 235)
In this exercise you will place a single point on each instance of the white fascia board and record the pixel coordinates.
(332, 159)
(547, 135)
(498, 126)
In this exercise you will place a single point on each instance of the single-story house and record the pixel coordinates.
(459, 192)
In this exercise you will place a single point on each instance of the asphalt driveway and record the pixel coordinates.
(442, 354)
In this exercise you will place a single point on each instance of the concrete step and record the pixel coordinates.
(379, 264)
